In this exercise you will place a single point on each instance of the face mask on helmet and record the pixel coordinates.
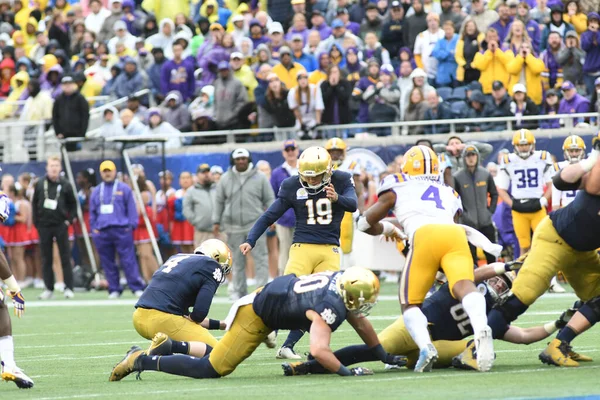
(524, 150)
(574, 155)
(307, 182)
(499, 286)
(359, 289)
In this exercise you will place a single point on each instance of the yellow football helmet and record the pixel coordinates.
(359, 288)
(574, 149)
(421, 161)
(523, 137)
(313, 162)
(218, 251)
(337, 144)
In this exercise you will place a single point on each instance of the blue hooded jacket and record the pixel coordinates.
(127, 84)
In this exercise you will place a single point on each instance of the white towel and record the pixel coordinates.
(477, 239)
(244, 301)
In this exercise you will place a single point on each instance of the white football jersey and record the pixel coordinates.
(421, 201)
(4, 203)
(525, 177)
(562, 198)
(349, 166)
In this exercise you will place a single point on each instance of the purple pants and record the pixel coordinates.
(119, 240)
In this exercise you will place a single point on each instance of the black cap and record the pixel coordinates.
(157, 50)
(316, 12)
(203, 168)
(371, 6)
(342, 10)
(497, 85)
(551, 92)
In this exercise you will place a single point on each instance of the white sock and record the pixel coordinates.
(553, 281)
(416, 324)
(7, 351)
(474, 305)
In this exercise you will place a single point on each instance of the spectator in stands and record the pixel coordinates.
(596, 95)
(550, 107)
(116, 14)
(437, 110)
(483, 16)
(230, 98)
(285, 225)
(466, 48)
(242, 196)
(131, 80)
(139, 110)
(570, 58)
(502, 25)
(447, 14)
(131, 124)
(298, 28)
(492, 61)
(202, 110)
(277, 39)
(53, 210)
(299, 56)
(314, 39)
(71, 113)
(552, 76)
(477, 190)
(175, 112)
(383, 99)
(590, 43)
(391, 32)
(350, 25)
(263, 56)
(164, 38)
(111, 125)
(522, 106)
(38, 106)
(96, 17)
(121, 35)
(531, 26)
(497, 106)
(424, 46)
(573, 102)
(405, 83)
(198, 205)
(306, 101)
(336, 56)
(414, 24)
(517, 35)
(243, 73)
(373, 49)
(7, 71)
(156, 126)
(265, 119)
(257, 33)
(444, 52)
(276, 103)
(339, 35)
(360, 88)
(556, 24)
(59, 30)
(575, 17)
(541, 13)
(287, 70)
(336, 92)
(373, 22)
(317, 20)
(415, 111)
(429, 6)
(113, 217)
(476, 110)
(178, 74)
(525, 64)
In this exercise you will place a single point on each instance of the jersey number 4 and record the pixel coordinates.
(433, 194)
(322, 208)
(173, 262)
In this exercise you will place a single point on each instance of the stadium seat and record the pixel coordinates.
(459, 108)
(445, 93)
(459, 93)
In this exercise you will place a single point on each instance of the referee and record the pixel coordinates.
(54, 208)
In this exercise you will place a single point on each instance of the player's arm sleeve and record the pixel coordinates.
(204, 300)
(493, 194)
(549, 171)
(503, 179)
(348, 200)
(269, 217)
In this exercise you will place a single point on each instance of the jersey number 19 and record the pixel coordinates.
(322, 208)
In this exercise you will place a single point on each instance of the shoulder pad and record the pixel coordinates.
(506, 159)
(455, 193)
(391, 181)
(545, 156)
(556, 167)
(442, 157)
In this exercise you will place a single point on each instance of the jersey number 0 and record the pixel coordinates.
(322, 208)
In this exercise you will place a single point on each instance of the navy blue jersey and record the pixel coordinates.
(283, 303)
(446, 316)
(318, 220)
(579, 222)
(185, 280)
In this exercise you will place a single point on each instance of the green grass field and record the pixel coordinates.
(69, 348)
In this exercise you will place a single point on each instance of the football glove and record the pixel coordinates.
(397, 361)
(18, 303)
(513, 265)
(361, 371)
(527, 205)
(392, 232)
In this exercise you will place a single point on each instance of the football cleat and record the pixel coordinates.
(467, 359)
(161, 345)
(130, 363)
(361, 371)
(17, 376)
(286, 353)
(427, 357)
(271, 340)
(557, 353)
(555, 287)
(68, 293)
(579, 357)
(484, 343)
(46, 295)
(295, 368)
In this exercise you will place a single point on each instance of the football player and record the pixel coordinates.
(567, 240)
(318, 303)
(184, 281)
(524, 173)
(8, 370)
(427, 209)
(448, 325)
(574, 151)
(320, 198)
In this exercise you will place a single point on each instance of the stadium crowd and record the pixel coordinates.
(299, 64)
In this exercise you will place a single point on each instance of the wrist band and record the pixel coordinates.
(550, 327)
(500, 269)
(363, 224)
(214, 324)
(12, 284)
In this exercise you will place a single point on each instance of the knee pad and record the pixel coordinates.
(591, 310)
